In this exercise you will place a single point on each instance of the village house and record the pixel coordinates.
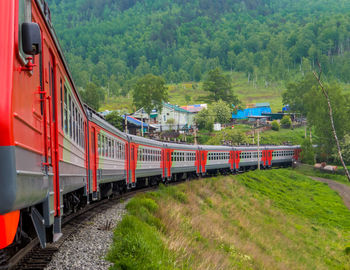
(171, 117)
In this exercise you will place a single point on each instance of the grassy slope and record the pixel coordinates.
(259, 220)
(295, 136)
(246, 92)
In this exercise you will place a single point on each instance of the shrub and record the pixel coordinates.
(307, 152)
(286, 122)
(275, 125)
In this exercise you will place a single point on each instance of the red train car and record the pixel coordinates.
(42, 124)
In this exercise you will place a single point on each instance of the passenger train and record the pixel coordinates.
(56, 154)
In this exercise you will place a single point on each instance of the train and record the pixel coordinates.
(57, 154)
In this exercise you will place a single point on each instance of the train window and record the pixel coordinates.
(65, 110)
(109, 147)
(61, 96)
(76, 126)
(103, 146)
(73, 119)
(99, 144)
(70, 115)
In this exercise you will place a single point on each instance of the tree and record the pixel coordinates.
(115, 120)
(307, 152)
(204, 120)
(220, 87)
(221, 112)
(325, 93)
(295, 94)
(92, 95)
(150, 93)
(286, 122)
(275, 125)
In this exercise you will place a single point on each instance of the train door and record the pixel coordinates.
(203, 158)
(237, 159)
(264, 157)
(51, 140)
(133, 160)
(163, 164)
(269, 157)
(168, 163)
(198, 161)
(232, 160)
(93, 159)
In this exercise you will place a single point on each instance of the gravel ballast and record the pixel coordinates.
(87, 248)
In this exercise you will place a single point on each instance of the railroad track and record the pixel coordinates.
(32, 256)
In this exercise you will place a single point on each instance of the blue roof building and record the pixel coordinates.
(257, 111)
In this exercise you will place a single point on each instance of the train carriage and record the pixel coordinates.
(283, 154)
(108, 156)
(247, 157)
(42, 124)
(215, 157)
(146, 161)
(181, 160)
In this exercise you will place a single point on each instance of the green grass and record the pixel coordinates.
(295, 136)
(306, 170)
(275, 219)
(246, 91)
(138, 242)
(299, 195)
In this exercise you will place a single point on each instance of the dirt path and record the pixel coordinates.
(342, 189)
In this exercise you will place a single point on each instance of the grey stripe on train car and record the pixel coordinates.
(7, 178)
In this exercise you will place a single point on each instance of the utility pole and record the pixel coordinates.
(258, 145)
(142, 122)
(126, 123)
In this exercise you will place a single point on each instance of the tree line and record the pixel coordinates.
(112, 43)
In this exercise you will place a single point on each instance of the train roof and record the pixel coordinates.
(181, 146)
(283, 147)
(216, 147)
(145, 141)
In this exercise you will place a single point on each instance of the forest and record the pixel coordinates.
(111, 43)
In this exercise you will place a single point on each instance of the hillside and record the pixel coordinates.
(111, 42)
(275, 219)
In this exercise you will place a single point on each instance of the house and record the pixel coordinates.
(195, 108)
(252, 110)
(135, 125)
(170, 117)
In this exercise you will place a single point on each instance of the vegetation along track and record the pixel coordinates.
(32, 256)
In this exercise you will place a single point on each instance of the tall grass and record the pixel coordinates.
(259, 220)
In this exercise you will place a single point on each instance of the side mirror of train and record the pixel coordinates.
(31, 38)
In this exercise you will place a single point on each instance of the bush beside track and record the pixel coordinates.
(261, 219)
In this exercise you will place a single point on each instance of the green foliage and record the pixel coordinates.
(204, 120)
(296, 91)
(275, 125)
(232, 136)
(175, 193)
(307, 152)
(115, 120)
(295, 136)
(318, 117)
(138, 245)
(315, 200)
(345, 150)
(138, 240)
(220, 87)
(221, 112)
(92, 95)
(110, 42)
(150, 93)
(286, 122)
